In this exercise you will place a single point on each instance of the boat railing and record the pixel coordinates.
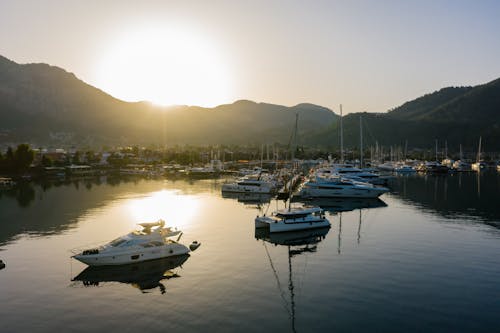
(87, 247)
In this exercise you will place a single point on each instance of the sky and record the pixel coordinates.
(366, 55)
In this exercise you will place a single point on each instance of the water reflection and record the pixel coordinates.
(145, 276)
(293, 238)
(248, 198)
(344, 204)
(24, 193)
(53, 206)
(297, 243)
(462, 194)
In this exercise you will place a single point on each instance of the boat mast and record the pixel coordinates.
(360, 142)
(261, 155)
(436, 150)
(341, 137)
(479, 151)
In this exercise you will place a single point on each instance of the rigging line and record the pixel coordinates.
(282, 293)
(291, 289)
(365, 125)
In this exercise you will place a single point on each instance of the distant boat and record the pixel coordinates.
(387, 166)
(433, 167)
(405, 169)
(461, 165)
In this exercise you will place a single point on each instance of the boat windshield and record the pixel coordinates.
(291, 216)
(117, 242)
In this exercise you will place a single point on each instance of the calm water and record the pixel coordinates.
(424, 259)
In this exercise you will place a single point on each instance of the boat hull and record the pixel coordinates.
(281, 226)
(132, 255)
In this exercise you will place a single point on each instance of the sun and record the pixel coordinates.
(165, 65)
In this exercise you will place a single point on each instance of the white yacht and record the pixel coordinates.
(405, 169)
(295, 218)
(250, 184)
(339, 187)
(152, 242)
(387, 166)
(350, 171)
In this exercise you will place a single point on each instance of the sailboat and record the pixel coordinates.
(461, 165)
(479, 165)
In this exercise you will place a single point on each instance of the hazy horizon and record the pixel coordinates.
(366, 56)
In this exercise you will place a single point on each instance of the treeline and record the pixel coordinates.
(16, 161)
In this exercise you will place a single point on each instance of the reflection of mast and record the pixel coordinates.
(291, 288)
(297, 242)
(359, 227)
(340, 233)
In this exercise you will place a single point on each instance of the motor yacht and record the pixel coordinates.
(339, 187)
(146, 276)
(152, 242)
(291, 219)
(350, 171)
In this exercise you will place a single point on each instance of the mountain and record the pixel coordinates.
(46, 105)
(43, 104)
(457, 115)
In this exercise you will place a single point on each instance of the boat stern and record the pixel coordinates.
(262, 222)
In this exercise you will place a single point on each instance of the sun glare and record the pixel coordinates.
(164, 65)
(176, 210)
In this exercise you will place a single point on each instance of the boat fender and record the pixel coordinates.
(194, 245)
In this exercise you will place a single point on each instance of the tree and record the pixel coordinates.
(46, 161)
(23, 156)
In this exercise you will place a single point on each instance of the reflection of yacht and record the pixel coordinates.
(297, 218)
(250, 184)
(136, 246)
(339, 187)
(345, 204)
(144, 275)
(293, 238)
(252, 198)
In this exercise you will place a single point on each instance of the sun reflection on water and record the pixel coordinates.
(175, 209)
